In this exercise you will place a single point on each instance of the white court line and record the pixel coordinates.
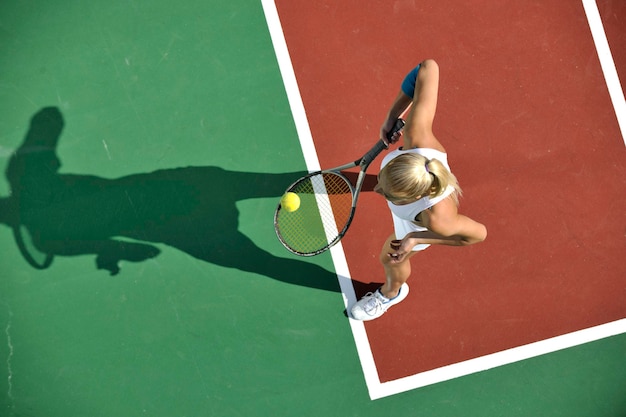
(310, 155)
(375, 387)
(501, 358)
(607, 63)
(291, 85)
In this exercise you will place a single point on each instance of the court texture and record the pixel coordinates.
(144, 146)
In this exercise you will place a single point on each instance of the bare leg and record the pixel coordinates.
(396, 273)
(374, 305)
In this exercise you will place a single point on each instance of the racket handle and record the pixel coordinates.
(398, 126)
(380, 146)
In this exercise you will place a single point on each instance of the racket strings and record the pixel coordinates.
(325, 209)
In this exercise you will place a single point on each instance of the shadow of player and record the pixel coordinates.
(192, 209)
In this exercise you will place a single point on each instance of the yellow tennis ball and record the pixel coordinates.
(290, 202)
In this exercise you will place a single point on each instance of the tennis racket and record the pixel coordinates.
(327, 203)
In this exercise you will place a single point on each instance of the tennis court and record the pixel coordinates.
(147, 145)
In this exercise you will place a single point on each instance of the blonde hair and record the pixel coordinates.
(411, 176)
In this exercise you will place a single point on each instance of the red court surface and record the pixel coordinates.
(613, 13)
(531, 133)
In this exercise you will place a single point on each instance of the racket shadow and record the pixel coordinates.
(369, 182)
(192, 209)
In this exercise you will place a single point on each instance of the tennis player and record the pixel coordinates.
(421, 191)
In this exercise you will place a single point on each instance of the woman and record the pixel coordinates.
(421, 191)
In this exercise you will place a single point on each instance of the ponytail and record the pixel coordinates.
(442, 178)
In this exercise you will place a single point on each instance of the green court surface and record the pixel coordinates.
(177, 140)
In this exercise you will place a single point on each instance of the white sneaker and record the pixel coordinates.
(373, 305)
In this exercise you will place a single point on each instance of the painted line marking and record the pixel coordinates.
(308, 149)
(606, 62)
(291, 85)
(375, 387)
(501, 358)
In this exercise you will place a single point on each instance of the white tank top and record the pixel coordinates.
(410, 211)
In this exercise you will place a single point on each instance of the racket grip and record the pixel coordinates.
(398, 126)
(381, 145)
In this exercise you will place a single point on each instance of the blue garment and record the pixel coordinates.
(408, 85)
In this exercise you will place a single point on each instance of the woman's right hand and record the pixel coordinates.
(388, 127)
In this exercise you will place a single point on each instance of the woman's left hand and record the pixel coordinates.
(401, 248)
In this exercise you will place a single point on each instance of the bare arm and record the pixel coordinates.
(445, 227)
(462, 232)
(418, 131)
(398, 108)
(444, 221)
